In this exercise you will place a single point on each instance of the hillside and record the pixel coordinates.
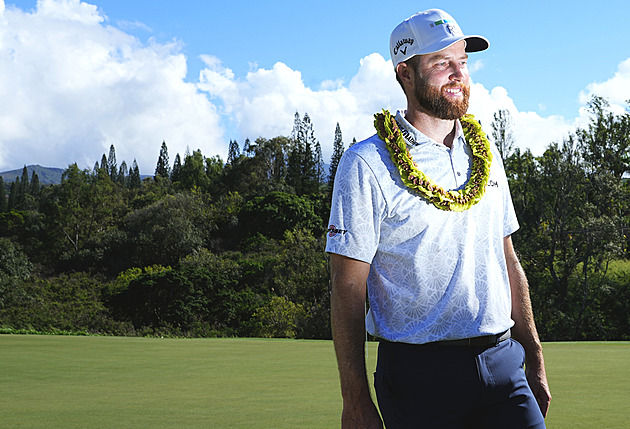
(47, 175)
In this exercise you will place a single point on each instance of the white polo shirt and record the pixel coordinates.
(435, 275)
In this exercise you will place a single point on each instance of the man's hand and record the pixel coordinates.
(537, 380)
(363, 415)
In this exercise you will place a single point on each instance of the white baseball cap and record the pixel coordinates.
(428, 32)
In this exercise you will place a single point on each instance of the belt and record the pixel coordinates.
(483, 341)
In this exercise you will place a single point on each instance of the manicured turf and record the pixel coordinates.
(80, 382)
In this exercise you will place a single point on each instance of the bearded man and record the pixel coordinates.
(421, 221)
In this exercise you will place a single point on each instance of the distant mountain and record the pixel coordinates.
(47, 175)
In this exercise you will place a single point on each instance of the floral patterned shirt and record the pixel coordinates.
(434, 275)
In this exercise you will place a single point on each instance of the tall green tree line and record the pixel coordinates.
(209, 248)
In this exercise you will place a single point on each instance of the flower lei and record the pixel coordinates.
(388, 130)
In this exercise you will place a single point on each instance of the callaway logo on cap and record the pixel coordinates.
(427, 32)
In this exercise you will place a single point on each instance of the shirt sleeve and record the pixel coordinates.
(357, 209)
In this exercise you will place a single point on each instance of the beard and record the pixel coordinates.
(433, 100)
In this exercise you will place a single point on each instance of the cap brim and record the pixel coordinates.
(473, 44)
(476, 43)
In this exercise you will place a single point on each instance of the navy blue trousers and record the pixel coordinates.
(431, 386)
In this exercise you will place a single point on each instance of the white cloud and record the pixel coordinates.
(530, 130)
(72, 85)
(265, 101)
(616, 89)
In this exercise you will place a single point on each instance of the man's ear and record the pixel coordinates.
(405, 74)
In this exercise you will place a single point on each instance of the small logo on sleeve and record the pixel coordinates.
(334, 231)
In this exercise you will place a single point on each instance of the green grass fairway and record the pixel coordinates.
(110, 382)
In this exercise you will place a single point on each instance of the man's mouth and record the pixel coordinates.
(453, 90)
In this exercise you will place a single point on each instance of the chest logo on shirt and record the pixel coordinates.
(493, 184)
(333, 231)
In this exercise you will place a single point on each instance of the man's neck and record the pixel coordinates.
(440, 130)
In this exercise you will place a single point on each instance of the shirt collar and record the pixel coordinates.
(415, 137)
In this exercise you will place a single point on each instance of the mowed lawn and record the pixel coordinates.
(112, 382)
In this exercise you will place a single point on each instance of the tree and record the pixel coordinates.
(134, 176)
(233, 152)
(573, 208)
(3, 196)
(338, 150)
(605, 142)
(246, 147)
(35, 186)
(112, 165)
(163, 168)
(278, 318)
(276, 212)
(304, 164)
(13, 262)
(24, 182)
(123, 174)
(193, 174)
(176, 173)
(502, 133)
(14, 194)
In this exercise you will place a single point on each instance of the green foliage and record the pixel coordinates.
(163, 168)
(278, 318)
(13, 262)
(165, 231)
(277, 212)
(338, 151)
(68, 302)
(209, 249)
(573, 208)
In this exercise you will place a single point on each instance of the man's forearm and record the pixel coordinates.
(524, 330)
(348, 325)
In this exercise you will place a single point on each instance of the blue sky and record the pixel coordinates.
(237, 70)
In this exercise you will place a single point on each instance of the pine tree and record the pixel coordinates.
(123, 173)
(319, 164)
(247, 148)
(112, 166)
(34, 189)
(163, 169)
(502, 133)
(103, 169)
(296, 153)
(3, 196)
(176, 173)
(338, 150)
(24, 183)
(312, 163)
(134, 176)
(233, 152)
(305, 167)
(14, 194)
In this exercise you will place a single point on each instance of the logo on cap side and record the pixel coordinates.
(440, 22)
(400, 44)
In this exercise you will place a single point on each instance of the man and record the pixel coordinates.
(421, 220)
